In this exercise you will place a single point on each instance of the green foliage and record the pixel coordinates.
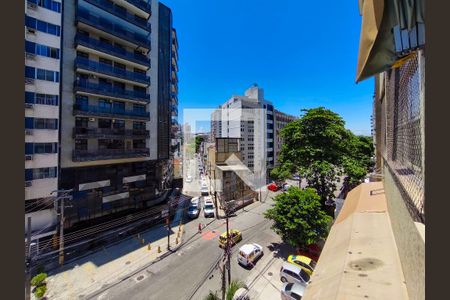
(40, 291)
(323, 176)
(39, 279)
(212, 296)
(232, 288)
(198, 140)
(298, 217)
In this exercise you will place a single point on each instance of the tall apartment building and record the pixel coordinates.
(42, 100)
(116, 106)
(281, 120)
(250, 118)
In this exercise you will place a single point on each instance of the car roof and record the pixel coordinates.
(291, 267)
(247, 248)
(301, 258)
(297, 288)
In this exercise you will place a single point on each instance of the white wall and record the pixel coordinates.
(41, 188)
(41, 219)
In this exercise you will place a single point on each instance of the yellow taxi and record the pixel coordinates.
(235, 237)
(304, 262)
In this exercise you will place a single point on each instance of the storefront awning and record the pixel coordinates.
(390, 30)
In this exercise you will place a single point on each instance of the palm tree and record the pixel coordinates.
(232, 289)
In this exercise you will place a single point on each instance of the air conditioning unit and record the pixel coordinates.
(28, 183)
(29, 105)
(31, 30)
(91, 119)
(31, 5)
(29, 81)
(28, 157)
(28, 131)
(30, 56)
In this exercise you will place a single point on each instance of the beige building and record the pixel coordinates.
(376, 247)
(281, 120)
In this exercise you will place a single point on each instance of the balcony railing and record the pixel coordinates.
(144, 5)
(109, 112)
(81, 62)
(109, 90)
(80, 132)
(114, 29)
(120, 12)
(112, 50)
(85, 155)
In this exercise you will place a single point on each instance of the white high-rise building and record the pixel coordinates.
(42, 100)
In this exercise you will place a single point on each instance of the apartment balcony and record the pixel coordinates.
(174, 111)
(95, 89)
(143, 5)
(106, 26)
(101, 68)
(105, 154)
(91, 110)
(112, 133)
(121, 13)
(95, 44)
(174, 99)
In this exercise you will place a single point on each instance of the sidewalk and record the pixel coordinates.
(266, 283)
(113, 264)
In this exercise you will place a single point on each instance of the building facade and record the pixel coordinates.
(116, 108)
(281, 120)
(42, 102)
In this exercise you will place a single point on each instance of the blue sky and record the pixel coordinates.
(303, 53)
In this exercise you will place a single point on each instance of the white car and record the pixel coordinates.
(292, 291)
(293, 274)
(189, 178)
(249, 253)
(204, 190)
(208, 208)
(194, 208)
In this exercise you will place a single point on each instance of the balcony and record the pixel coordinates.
(104, 154)
(112, 50)
(91, 110)
(90, 65)
(109, 91)
(144, 5)
(174, 110)
(174, 98)
(113, 29)
(112, 133)
(121, 13)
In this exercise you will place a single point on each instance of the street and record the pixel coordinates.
(193, 270)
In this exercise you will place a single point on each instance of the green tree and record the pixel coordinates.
(198, 141)
(298, 217)
(323, 177)
(229, 293)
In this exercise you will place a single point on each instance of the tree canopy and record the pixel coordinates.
(298, 217)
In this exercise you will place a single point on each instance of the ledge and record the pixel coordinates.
(360, 258)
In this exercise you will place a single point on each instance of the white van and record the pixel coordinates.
(204, 191)
(248, 254)
(208, 208)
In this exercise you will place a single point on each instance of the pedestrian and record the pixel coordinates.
(199, 227)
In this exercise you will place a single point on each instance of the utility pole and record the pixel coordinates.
(28, 262)
(228, 250)
(64, 195)
(224, 283)
(168, 224)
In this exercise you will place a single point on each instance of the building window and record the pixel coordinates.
(42, 26)
(42, 173)
(138, 125)
(38, 123)
(105, 104)
(136, 70)
(82, 54)
(48, 4)
(120, 66)
(41, 74)
(139, 108)
(41, 50)
(119, 106)
(41, 148)
(81, 144)
(44, 99)
(104, 123)
(105, 61)
(138, 144)
(104, 144)
(81, 122)
(139, 89)
(119, 124)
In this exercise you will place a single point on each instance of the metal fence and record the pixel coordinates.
(402, 131)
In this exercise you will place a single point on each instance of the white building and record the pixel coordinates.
(281, 120)
(42, 100)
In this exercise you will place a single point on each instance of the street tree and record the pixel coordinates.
(198, 141)
(298, 217)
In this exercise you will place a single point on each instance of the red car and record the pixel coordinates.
(272, 187)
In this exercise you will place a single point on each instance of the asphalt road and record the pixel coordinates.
(191, 272)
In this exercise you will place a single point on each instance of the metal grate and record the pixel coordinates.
(403, 143)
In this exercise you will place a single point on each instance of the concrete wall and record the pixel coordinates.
(410, 239)
(41, 219)
(152, 126)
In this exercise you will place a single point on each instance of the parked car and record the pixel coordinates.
(303, 262)
(235, 237)
(272, 187)
(293, 274)
(249, 253)
(194, 208)
(292, 291)
(208, 208)
(285, 187)
(204, 190)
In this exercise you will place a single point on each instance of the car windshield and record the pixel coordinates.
(289, 287)
(304, 275)
(192, 208)
(209, 206)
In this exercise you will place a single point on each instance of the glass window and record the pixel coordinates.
(30, 72)
(104, 104)
(119, 124)
(138, 108)
(104, 123)
(82, 100)
(120, 106)
(120, 66)
(81, 122)
(29, 97)
(41, 26)
(40, 74)
(30, 47)
(105, 61)
(49, 75)
(43, 173)
(138, 125)
(41, 148)
(82, 54)
(52, 29)
(81, 144)
(138, 144)
(30, 22)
